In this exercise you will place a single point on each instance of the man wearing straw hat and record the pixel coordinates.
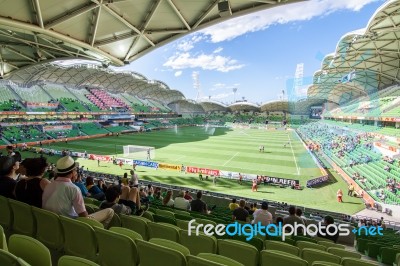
(64, 198)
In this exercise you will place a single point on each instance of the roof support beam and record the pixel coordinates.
(179, 14)
(266, 1)
(36, 7)
(205, 14)
(92, 34)
(124, 21)
(20, 54)
(115, 38)
(70, 14)
(165, 31)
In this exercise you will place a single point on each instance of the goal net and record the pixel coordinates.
(139, 152)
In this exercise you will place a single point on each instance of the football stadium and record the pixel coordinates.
(104, 166)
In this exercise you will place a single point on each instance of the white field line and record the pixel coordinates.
(294, 157)
(230, 159)
(179, 158)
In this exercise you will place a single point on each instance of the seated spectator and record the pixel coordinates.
(187, 196)
(30, 189)
(299, 213)
(292, 219)
(168, 201)
(233, 205)
(64, 198)
(327, 221)
(262, 215)
(102, 185)
(78, 182)
(240, 214)
(181, 202)
(279, 220)
(94, 190)
(198, 205)
(112, 198)
(8, 167)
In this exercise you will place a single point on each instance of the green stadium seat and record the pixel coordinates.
(239, 251)
(183, 217)
(388, 255)
(303, 238)
(205, 221)
(3, 240)
(164, 219)
(23, 220)
(148, 215)
(195, 261)
(6, 217)
(164, 230)
(373, 249)
(305, 244)
(49, 230)
(137, 224)
(198, 244)
(357, 262)
(127, 232)
(397, 260)
(329, 244)
(344, 253)
(91, 222)
(165, 256)
(75, 261)
(361, 245)
(30, 250)
(8, 259)
(80, 239)
(165, 213)
(281, 246)
(324, 263)
(311, 255)
(170, 244)
(116, 249)
(219, 259)
(275, 257)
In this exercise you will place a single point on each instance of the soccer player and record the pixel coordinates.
(254, 187)
(240, 179)
(148, 155)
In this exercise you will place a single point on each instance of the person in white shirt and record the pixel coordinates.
(181, 202)
(134, 179)
(262, 215)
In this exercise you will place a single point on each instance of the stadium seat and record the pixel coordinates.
(195, 261)
(75, 261)
(281, 246)
(303, 238)
(373, 249)
(311, 255)
(198, 244)
(115, 221)
(324, 263)
(330, 244)
(239, 251)
(179, 216)
(48, 228)
(3, 240)
(361, 245)
(205, 221)
(304, 244)
(397, 260)
(80, 239)
(91, 222)
(184, 225)
(116, 249)
(164, 219)
(127, 232)
(219, 259)
(30, 250)
(275, 257)
(344, 253)
(8, 259)
(148, 215)
(165, 256)
(165, 213)
(318, 239)
(23, 220)
(6, 216)
(137, 224)
(357, 262)
(388, 255)
(163, 230)
(170, 244)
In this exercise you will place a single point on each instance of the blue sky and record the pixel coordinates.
(259, 56)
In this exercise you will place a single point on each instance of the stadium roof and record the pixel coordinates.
(110, 31)
(244, 106)
(96, 76)
(364, 61)
(278, 105)
(210, 106)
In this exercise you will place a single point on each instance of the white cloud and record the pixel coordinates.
(188, 43)
(178, 73)
(204, 61)
(280, 15)
(218, 50)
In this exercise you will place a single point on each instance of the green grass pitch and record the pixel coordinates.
(225, 149)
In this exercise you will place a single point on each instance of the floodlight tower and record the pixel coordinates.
(234, 94)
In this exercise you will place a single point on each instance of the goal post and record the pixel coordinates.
(139, 152)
